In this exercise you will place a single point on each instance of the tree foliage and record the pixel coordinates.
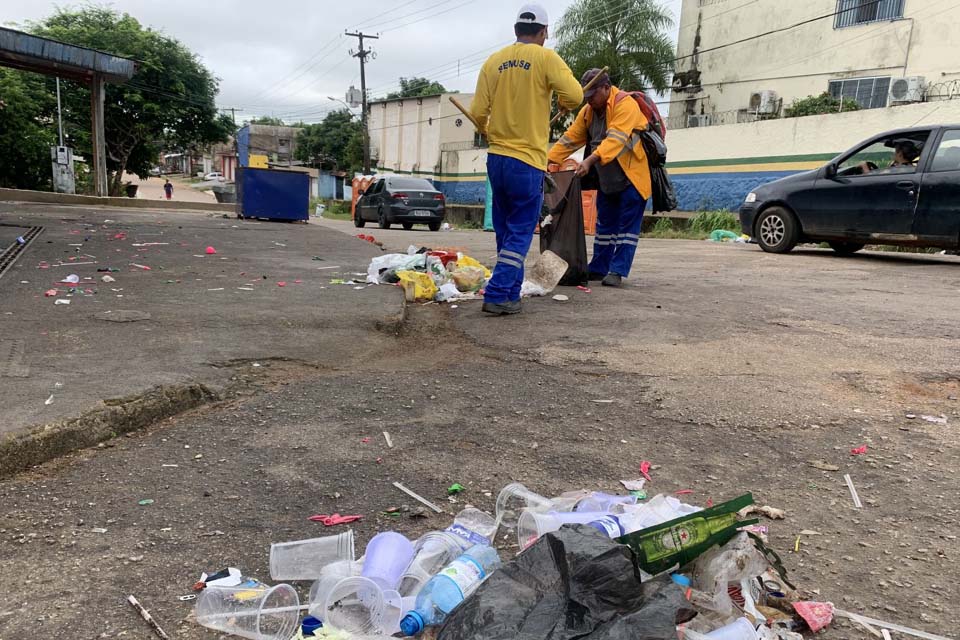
(334, 143)
(629, 36)
(417, 87)
(27, 130)
(169, 103)
(270, 120)
(816, 105)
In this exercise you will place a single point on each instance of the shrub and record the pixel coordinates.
(816, 105)
(707, 221)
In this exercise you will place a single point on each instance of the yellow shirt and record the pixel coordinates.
(512, 101)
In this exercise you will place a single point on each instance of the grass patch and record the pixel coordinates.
(336, 209)
(696, 228)
(707, 221)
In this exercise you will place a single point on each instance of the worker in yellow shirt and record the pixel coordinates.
(512, 105)
(609, 125)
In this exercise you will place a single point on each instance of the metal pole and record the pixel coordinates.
(362, 54)
(98, 142)
(59, 114)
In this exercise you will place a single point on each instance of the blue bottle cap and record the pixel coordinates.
(310, 624)
(681, 579)
(412, 624)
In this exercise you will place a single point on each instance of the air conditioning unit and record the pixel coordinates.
(905, 90)
(764, 102)
(698, 121)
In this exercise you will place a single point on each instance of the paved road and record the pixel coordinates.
(152, 189)
(731, 370)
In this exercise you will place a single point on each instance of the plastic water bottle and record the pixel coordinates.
(449, 588)
(473, 527)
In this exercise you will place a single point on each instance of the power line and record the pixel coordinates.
(286, 79)
(413, 13)
(431, 17)
(373, 20)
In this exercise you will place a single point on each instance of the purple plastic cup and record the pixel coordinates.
(387, 557)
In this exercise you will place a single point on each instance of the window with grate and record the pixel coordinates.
(854, 12)
(869, 93)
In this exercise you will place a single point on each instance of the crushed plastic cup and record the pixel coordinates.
(304, 559)
(532, 525)
(250, 610)
(355, 605)
(393, 612)
(388, 554)
(432, 552)
(599, 501)
(740, 629)
(513, 499)
(330, 575)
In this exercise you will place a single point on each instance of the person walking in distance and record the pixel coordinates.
(609, 124)
(512, 106)
(168, 190)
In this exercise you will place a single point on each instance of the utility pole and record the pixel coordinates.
(233, 114)
(59, 114)
(362, 54)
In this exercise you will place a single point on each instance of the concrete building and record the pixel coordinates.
(430, 138)
(258, 144)
(879, 53)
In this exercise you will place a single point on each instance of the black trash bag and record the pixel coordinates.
(564, 234)
(571, 584)
(664, 198)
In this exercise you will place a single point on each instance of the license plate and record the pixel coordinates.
(423, 213)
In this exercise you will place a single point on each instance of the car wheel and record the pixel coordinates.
(358, 220)
(382, 218)
(408, 225)
(777, 230)
(846, 248)
(434, 226)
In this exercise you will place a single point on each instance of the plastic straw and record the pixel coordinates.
(255, 612)
(890, 625)
(853, 492)
(420, 499)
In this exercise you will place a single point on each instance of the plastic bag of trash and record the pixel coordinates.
(531, 290)
(467, 261)
(572, 583)
(469, 278)
(417, 287)
(737, 563)
(396, 261)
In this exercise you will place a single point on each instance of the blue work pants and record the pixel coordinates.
(619, 217)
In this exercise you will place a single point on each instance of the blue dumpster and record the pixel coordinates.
(272, 194)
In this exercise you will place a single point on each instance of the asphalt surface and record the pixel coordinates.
(729, 369)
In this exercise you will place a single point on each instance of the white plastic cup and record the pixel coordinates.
(256, 612)
(740, 629)
(432, 552)
(513, 499)
(532, 525)
(304, 559)
(355, 605)
(330, 575)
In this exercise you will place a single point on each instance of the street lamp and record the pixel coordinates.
(341, 102)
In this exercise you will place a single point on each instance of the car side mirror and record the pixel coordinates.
(360, 193)
(831, 171)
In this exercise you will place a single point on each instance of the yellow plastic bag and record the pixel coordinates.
(468, 278)
(418, 287)
(467, 261)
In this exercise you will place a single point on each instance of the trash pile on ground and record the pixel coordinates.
(428, 275)
(592, 565)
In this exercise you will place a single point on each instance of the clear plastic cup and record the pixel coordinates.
(432, 552)
(532, 525)
(258, 612)
(330, 575)
(393, 612)
(303, 559)
(388, 554)
(513, 499)
(740, 629)
(355, 605)
(474, 526)
(599, 501)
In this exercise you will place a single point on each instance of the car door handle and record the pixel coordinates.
(906, 185)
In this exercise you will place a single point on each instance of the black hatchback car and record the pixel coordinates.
(408, 201)
(898, 188)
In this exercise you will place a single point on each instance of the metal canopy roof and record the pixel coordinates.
(42, 55)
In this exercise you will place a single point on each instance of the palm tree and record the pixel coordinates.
(629, 36)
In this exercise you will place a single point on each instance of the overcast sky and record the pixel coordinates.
(284, 57)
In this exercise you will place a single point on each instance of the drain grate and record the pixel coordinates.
(11, 253)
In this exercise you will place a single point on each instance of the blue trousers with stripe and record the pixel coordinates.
(517, 199)
(619, 217)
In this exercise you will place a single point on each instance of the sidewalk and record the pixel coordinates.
(152, 189)
(172, 315)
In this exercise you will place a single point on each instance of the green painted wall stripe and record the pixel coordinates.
(813, 157)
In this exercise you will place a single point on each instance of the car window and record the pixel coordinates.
(377, 188)
(890, 155)
(947, 157)
(410, 183)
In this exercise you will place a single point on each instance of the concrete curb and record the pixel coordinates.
(32, 446)
(45, 197)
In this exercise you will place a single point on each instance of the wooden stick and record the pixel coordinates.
(463, 110)
(562, 112)
(146, 616)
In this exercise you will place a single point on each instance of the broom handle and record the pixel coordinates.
(562, 112)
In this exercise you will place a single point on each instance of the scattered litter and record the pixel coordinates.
(245, 289)
(455, 488)
(584, 289)
(217, 289)
(633, 485)
(108, 279)
(645, 470)
(98, 530)
(71, 279)
(140, 266)
(229, 577)
(561, 298)
(911, 416)
(148, 618)
(50, 293)
(889, 625)
(935, 419)
(386, 436)
(418, 498)
(62, 301)
(358, 288)
(817, 615)
(602, 401)
(853, 491)
(324, 268)
(49, 400)
(770, 512)
(365, 440)
(145, 502)
(548, 271)
(149, 244)
(859, 451)
(334, 519)
(211, 251)
(810, 532)
(683, 492)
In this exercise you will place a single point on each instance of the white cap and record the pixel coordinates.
(539, 15)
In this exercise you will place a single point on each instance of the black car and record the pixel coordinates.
(408, 201)
(898, 188)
